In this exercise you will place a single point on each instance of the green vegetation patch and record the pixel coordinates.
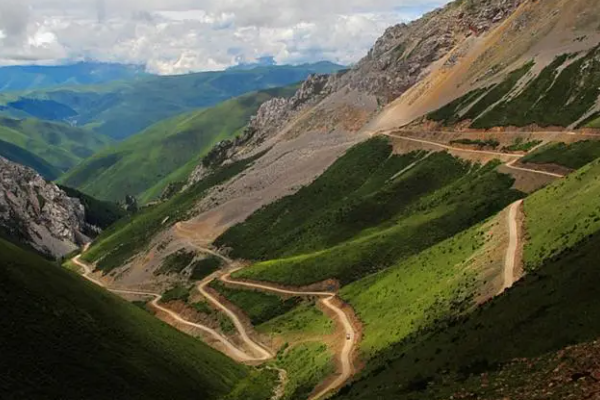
(449, 114)
(520, 144)
(563, 214)
(497, 93)
(226, 324)
(415, 293)
(336, 206)
(305, 319)
(114, 349)
(559, 96)
(258, 306)
(481, 144)
(593, 121)
(556, 97)
(445, 196)
(203, 268)
(555, 307)
(176, 262)
(115, 246)
(573, 156)
(97, 213)
(258, 385)
(203, 307)
(307, 364)
(177, 293)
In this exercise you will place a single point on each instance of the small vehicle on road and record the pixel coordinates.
(347, 336)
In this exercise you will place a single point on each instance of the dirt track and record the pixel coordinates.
(327, 301)
(510, 260)
(514, 158)
(233, 351)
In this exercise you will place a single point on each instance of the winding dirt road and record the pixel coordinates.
(232, 350)
(327, 300)
(262, 353)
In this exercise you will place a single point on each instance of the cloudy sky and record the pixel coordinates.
(179, 36)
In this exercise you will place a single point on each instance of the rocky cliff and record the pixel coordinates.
(37, 213)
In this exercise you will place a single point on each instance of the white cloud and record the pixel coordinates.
(178, 36)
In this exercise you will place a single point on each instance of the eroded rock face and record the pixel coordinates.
(403, 54)
(270, 117)
(37, 212)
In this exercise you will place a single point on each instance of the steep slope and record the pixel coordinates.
(85, 73)
(114, 349)
(60, 145)
(121, 109)
(553, 44)
(165, 153)
(358, 218)
(21, 156)
(37, 213)
(557, 296)
(99, 214)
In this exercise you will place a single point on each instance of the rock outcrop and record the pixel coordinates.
(37, 213)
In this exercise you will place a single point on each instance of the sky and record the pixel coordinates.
(181, 36)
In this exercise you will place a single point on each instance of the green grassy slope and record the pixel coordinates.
(560, 95)
(385, 219)
(307, 364)
(144, 164)
(21, 156)
(97, 213)
(259, 307)
(131, 235)
(554, 306)
(573, 155)
(63, 337)
(430, 286)
(121, 109)
(60, 145)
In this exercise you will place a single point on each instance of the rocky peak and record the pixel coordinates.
(404, 52)
(38, 213)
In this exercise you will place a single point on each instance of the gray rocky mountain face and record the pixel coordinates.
(37, 213)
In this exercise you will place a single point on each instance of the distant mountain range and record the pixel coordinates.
(33, 77)
(121, 108)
